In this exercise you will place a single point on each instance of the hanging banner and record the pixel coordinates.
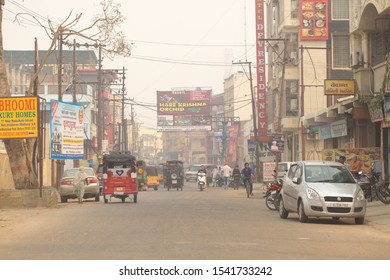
(314, 20)
(262, 135)
(66, 130)
(18, 117)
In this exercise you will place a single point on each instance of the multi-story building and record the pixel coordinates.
(308, 43)
(370, 37)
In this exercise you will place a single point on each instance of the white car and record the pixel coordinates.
(321, 189)
(67, 188)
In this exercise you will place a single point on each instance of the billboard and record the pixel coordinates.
(18, 117)
(314, 20)
(66, 130)
(184, 110)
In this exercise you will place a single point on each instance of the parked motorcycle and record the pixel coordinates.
(272, 194)
(201, 180)
(373, 187)
(220, 181)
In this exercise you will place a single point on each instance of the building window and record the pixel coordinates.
(294, 9)
(340, 51)
(340, 9)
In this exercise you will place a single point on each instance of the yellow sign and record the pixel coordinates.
(18, 117)
(339, 87)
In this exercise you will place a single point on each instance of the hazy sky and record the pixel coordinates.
(177, 43)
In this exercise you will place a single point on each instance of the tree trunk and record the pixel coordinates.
(19, 156)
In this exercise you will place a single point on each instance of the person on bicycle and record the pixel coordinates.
(247, 175)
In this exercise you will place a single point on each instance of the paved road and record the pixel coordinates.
(188, 225)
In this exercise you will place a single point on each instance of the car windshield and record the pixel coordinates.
(282, 167)
(328, 173)
(72, 172)
(195, 168)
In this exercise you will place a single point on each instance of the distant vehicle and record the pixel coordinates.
(159, 172)
(152, 180)
(173, 175)
(67, 188)
(321, 189)
(141, 178)
(192, 173)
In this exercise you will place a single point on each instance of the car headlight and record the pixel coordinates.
(360, 195)
(312, 194)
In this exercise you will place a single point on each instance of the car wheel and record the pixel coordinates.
(359, 221)
(135, 198)
(97, 197)
(301, 212)
(105, 200)
(283, 213)
(64, 199)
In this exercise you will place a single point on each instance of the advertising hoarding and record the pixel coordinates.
(314, 20)
(19, 117)
(66, 130)
(184, 110)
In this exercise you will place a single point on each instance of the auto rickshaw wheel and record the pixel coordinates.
(135, 198)
(155, 188)
(105, 200)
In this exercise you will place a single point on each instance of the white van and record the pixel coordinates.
(283, 167)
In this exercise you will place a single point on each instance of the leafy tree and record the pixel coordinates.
(104, 30)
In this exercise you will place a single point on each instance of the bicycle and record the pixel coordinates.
(383, 192)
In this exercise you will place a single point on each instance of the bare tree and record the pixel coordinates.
(103, 30)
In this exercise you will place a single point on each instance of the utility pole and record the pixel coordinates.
(253, 116)
(76, 163)
(100, 105)
(56, 177)
(124, 148)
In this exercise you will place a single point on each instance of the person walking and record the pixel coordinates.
(247, 175)
(226, 172)
(215, 176)
(208, 176)
(79, 182)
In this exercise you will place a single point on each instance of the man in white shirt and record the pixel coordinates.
(226, 172)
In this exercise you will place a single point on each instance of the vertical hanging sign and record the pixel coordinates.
(261, 84)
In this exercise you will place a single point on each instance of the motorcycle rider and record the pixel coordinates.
(202, 170)
(247, 175)
(236, 176)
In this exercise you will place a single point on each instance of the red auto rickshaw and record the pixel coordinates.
(120, 177)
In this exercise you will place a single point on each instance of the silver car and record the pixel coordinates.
(67, 188)
(321, 189)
